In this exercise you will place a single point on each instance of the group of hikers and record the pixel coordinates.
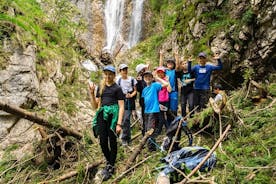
(158, 94)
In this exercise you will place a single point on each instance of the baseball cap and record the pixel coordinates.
(122, 66)
(161, 68)
(140, 67)
(170, 60)
(109, 68)
(202, 54)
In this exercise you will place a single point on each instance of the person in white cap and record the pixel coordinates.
(141, 84)
(128, 85)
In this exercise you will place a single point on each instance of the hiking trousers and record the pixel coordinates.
(201, 98)
(187, 99)
(151, 121)
(126, 129)
(108, 139)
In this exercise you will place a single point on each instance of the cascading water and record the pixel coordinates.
(114, 10)
(136, 23)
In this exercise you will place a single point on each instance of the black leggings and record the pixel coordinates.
(108, 139)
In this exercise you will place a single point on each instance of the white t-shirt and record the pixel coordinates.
(126, 84)
(218, 98)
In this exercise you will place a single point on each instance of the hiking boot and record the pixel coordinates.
(107, 172)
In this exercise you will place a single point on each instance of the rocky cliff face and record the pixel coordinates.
(93, 38)
(248, 42)
(19, 86)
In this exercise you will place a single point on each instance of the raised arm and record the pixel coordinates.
(163, 82)
(94, 100)
(177, 60)
(219, 63)
(161, 62)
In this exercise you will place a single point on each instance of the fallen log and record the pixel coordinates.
(138, 150)
(72, 173)
(22, 113)
(207, 156)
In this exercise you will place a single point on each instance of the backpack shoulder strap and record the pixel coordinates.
(119, 81)
(132, 82)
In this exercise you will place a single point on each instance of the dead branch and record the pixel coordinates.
(15, 165)
(178, 129)
(138, 150)
(72, 173)
(263, 92)
(236, 114)
(132, 125)
(208, 155)
(136, 136)
(267, 107)
(22, 113)
(130, 169)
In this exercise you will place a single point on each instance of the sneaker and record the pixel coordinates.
(107, 172)
(124, 143)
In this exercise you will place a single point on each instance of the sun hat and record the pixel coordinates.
(140, 67)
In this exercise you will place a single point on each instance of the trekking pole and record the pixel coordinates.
(178, 129)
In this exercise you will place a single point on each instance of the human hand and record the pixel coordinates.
(161, 52)
(118, 128)
(91, 86)
(128, 95)
(216, 56)
(190, 58)
(139, 77)
(176, 52)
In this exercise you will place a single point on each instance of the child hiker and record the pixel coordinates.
(187, 81)
(171, 64)
(109, 100)
(163, 98)
(203, 74)
(152, 109)
(141, 84)
(128, 85)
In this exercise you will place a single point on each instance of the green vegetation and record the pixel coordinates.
(53, 33)
(248, 152)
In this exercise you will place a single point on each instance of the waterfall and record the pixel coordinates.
(136, 23)
(114, 10)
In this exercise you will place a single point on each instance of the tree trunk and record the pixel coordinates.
(22, 113)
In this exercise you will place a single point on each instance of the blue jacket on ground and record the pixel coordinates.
(150, 95)
(203, 74)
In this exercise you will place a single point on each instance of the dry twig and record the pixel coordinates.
(208, 155)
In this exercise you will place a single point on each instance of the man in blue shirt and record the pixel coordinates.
(203, 74)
